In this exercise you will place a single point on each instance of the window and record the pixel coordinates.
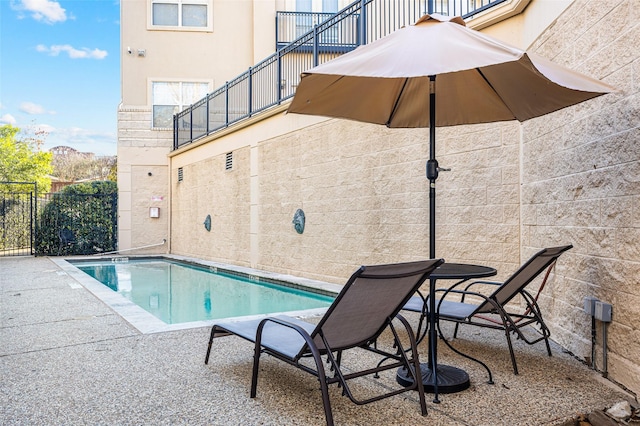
(171, 97)
(330, 6)
(303, 5)
(180, 13)
(312, 12)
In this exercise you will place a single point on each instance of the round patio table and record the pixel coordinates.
(444, 378)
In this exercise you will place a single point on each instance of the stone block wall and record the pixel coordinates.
(208, 188)
(581, 184)
(365, 194)
(479, 199)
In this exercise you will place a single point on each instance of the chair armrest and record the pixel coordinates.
(465, 293)
(301, 331)
(483, 282)
(283, 323)
(408, 329)
(424, 301)
(468, 286)
(496, 283)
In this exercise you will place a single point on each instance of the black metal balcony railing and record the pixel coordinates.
(304, 40)
(292, 25)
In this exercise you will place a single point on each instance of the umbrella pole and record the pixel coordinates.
(432, 167)
(432, 175)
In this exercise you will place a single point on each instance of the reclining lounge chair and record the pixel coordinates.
(492, 311)
(366, 306)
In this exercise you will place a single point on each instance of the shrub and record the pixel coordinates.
(80, 219)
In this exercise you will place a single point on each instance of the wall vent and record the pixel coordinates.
(228, 164)
(180, 174)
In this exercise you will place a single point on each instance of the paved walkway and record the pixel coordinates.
(66, 358)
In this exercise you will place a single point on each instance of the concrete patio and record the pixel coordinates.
(67, 358)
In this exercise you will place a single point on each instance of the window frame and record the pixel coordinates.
(182, 106)
(180, 27)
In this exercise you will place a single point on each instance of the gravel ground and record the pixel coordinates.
(66, 358)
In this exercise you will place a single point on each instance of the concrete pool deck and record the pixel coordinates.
(67, 358)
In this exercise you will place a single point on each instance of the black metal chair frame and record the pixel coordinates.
(496, 304)
(326, 338)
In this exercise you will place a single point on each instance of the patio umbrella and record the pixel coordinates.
(439, 73)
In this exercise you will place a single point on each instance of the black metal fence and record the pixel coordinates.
(17, 212)
(56, 224)
(304, 40)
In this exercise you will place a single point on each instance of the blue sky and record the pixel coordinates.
(60, 71)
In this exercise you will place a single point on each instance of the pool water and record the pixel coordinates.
(177, 293)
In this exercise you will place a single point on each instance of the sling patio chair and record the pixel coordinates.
(365, 307)
(493, 311)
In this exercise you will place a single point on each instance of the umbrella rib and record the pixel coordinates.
(493, 89)
(395, 105)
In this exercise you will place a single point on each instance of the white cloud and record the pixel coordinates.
(8, 119)
(82, 53)
(46, 11)
(34, 109)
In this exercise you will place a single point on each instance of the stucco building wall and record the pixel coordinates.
(142, 182)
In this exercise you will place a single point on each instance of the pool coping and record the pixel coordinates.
(146, 323)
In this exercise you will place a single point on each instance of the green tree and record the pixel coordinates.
(75, 166)
(113, 172)
(21, 159)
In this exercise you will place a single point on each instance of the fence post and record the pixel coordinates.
(362, 33)
(191, 122)
(175, 131)
(279, 76)
(226, 104)
(276, 46)
(316, 48)
(34, 218)
(250, 90)
(114, 219)
(207, 112)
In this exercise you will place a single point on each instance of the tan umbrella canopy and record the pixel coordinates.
(479, 80)
(436, 73)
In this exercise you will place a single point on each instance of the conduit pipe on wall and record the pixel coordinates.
(164, 241)
(598, 311)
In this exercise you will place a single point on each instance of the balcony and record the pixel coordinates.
(305, 40)
(339, 35)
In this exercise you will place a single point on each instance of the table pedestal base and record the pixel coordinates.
(450, 379)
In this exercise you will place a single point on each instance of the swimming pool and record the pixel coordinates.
(178, 292)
